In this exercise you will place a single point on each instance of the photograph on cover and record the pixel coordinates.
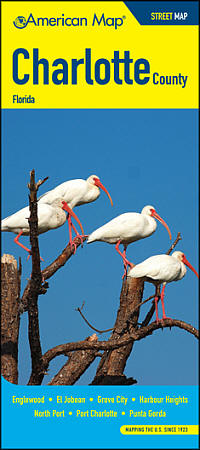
(135, 173)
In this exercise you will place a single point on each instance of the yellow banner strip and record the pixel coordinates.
(160, 429)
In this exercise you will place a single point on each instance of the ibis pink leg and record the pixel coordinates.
(123, 255)
(156, 306)
(16, 240)
(70, 234)
(71, 241)
(162, 301)
(80, 236)
(72, 214)
(125, 264)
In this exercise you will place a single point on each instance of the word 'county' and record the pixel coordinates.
(170, 79)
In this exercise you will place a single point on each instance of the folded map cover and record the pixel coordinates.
(99, 263)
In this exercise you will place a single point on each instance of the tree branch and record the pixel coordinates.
(76, 365)
(166, 323)
(115, 343)
(89, 324)
(112, 363)
(135, 309)
(178, 238)
(142, 303)
(150, 313)
(35, 286)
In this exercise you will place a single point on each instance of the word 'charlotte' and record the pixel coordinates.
(69, 72)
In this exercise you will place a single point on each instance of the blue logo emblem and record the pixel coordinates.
(20, 22)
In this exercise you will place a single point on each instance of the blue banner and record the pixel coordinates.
(97, 417)
(164, 13)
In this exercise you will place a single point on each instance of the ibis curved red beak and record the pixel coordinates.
(69, 210)
(154, 214)
(100, 185)
(186, 262)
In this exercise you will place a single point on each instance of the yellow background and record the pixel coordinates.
(169, 49)
(191, 429)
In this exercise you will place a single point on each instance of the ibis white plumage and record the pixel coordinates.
(160, 269)
(127, 228)
(75, 193)
(49, 217)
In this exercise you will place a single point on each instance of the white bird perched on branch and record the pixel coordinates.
(127, 228)
(49, 217)
(75, 193)
(160, 269)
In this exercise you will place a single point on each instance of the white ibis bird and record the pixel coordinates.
(49, 217)
(75, 193)
(127, 228)
(160, 269)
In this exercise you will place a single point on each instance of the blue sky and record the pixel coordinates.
(142, 157)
